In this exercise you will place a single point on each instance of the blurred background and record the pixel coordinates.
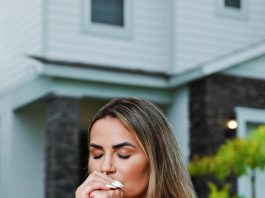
(202, 62)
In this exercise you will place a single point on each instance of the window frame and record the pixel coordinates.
(245, 115)
(225, 11)
(107, 29)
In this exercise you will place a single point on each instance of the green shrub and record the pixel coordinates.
(236, 156)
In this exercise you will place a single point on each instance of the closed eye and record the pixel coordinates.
(124, 156)
(97, 156)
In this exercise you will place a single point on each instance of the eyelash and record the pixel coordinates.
(97, 156)
(124, 156)
(120, 156)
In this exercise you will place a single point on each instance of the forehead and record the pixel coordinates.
(110, 130)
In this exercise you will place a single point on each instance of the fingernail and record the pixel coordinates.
(111, 186)
(118, 183)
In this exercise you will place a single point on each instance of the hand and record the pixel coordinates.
(115, 193)
(96, 181)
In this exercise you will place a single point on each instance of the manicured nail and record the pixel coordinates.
(114, 184)
(111, 186)
(118, 183)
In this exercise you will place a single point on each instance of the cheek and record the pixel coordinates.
(135, 176)
(135, 170)
(93, 165)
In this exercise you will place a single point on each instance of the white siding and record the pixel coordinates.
(20, 35)
(203, 35)
(148, 48)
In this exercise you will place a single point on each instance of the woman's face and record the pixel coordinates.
(116, 152)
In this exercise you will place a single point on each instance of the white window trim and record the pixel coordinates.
(105, 29)
(243, 116)
(241, 13)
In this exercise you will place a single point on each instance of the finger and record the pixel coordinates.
(96, 177)
(97, 181)
(117, 193)
(104, 176)
(83, 192)
(107, 194)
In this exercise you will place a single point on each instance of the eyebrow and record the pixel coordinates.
(116, 146)
(122, 145)
(96, 146)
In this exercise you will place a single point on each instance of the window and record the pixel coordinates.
(248, 120)
(107, 17)
(232, 8)
(233, 4)
(107, 12)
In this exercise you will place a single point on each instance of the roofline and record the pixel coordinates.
(60, 77)
(138, 77)
(220, 63)
(99, 67)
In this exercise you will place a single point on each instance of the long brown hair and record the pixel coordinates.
(168, 175)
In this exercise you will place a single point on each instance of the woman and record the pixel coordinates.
(133, 153)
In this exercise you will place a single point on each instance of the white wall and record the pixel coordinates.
(22, 152)
(5, 144)
(165, 34)
(178, 114)
(20, 35)
(203, 35)
(148, 48)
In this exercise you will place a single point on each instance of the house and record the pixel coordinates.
(202, 62)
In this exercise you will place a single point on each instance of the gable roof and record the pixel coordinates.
(220, 63)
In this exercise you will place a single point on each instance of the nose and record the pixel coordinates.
(107, 166)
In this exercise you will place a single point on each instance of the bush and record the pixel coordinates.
(236, 156)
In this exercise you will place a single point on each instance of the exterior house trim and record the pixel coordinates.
(219, 64)
(44, 86)
(159, 83)
(245, 115)
(30, 92)
(96, 75)
(87, 75)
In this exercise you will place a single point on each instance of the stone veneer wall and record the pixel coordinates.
(212, 101)
(62, 147)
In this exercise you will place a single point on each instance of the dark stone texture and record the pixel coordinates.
(62, 147)
(212, 101)
(83, 153)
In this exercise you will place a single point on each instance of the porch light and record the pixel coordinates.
(232, 124)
